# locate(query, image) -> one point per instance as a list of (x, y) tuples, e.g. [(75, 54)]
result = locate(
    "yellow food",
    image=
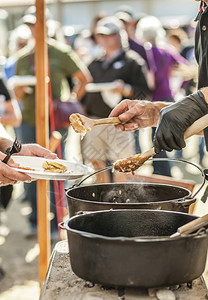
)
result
[(53, 167)]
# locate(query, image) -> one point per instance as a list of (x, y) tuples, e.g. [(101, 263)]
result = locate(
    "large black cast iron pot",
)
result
[(135, 195), (133, 248)]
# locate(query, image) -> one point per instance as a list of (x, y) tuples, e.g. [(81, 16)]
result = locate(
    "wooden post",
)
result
[(42, 130)]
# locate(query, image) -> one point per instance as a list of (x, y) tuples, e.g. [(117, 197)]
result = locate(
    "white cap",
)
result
[(109, 26)]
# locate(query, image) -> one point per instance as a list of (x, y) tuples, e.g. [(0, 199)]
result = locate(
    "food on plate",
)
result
[(25, 168), (78, 125), (53, 167)]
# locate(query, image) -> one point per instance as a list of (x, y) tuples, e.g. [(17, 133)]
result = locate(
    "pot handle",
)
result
[(204, 172), (80, 213), (61, 225), (205, 194), (88, 176)]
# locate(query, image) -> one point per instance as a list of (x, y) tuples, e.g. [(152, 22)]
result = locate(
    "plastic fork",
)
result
[(15, 148)]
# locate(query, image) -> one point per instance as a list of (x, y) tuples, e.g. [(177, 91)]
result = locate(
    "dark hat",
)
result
[(109, 26)]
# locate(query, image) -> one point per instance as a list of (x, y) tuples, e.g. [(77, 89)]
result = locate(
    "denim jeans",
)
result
[(160, 167), (137, 143)]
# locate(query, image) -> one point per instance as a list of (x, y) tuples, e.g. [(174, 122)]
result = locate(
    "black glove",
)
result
[(175, 119)]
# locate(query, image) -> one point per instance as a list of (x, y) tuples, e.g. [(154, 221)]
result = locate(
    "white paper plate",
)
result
[(99, 87), (21, 81), (75, 170)]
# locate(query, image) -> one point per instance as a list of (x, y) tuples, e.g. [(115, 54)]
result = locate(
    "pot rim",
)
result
[(184, 199), (145, 239)]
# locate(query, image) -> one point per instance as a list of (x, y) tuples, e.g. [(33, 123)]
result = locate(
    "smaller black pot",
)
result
[(133, 248), (135, 195)]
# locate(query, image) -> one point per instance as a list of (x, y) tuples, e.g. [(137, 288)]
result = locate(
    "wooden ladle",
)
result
[(82, 124), (132, 163)]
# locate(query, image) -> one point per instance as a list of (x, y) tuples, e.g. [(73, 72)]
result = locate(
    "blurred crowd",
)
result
[(123, 55)]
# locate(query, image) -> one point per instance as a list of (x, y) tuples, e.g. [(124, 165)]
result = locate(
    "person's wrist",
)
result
[(5, 145), (158, 107)]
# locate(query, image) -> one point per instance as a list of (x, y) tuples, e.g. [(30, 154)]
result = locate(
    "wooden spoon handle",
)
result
[(54, 140), (149, 153), (107, 121), (196, 127), (193, 225)]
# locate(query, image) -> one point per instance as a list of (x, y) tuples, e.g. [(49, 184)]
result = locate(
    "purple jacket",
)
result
[(160, 61)]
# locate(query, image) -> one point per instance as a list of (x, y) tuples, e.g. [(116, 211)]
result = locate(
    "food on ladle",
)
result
[(82, 124), (130, 164), (78, 125)]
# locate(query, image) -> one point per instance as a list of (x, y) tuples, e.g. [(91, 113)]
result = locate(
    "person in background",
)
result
[(183, 82), (63, 62), (85, 44), (124, 70), (18, 39), (150, 42), (177, 39), (126, 14)]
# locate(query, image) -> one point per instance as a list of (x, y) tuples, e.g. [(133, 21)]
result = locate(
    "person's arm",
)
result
[(140, 113), (5, 141), (173, 121), (81, 78)]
